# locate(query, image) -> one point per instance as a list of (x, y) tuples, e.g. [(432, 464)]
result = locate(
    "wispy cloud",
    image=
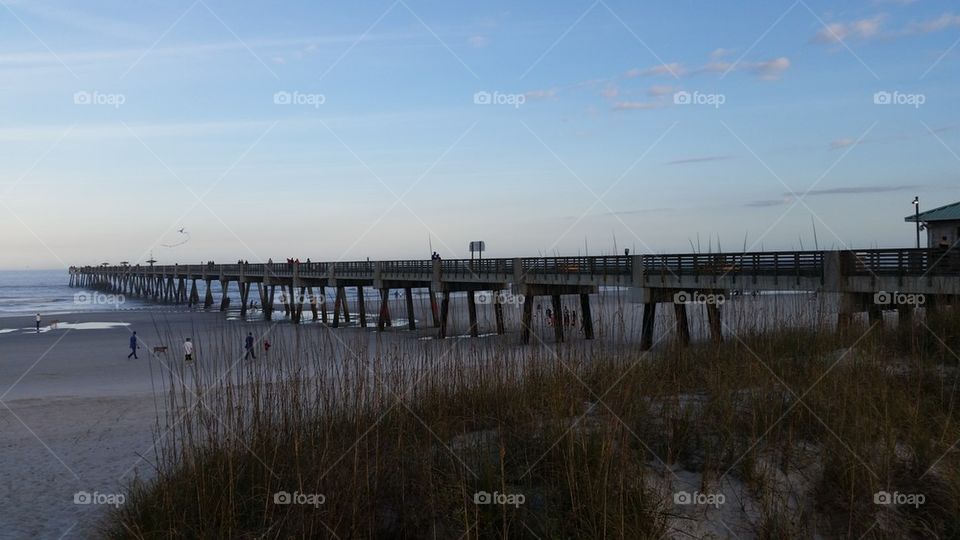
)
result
[(874, 28), (659, 91), (478, 42), (860, 29), (789, 198), (636, 106), (943, 22), (535, 95), (672, 69), (699, 159)]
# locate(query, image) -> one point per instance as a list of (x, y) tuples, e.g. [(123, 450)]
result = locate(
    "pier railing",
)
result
[(799, 264)]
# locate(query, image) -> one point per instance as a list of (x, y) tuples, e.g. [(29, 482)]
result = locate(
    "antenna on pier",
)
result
[(151, 260)]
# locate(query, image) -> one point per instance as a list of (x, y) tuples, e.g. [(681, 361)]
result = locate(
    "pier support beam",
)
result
[(433, 308), (265, 304), (472, 313), (646, 329), (361, 307), (498, 313), (682, 324), (444, 313), (208, 295), (224, 292), (905, 314), (323, 304), (557, 317), (526, 320), (716, 324), (383, 320), (313, 303), (411, 316), (194, 294), (586, 316), (244, 298)]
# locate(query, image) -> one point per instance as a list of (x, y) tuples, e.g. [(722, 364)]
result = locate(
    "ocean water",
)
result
[(48, 292)]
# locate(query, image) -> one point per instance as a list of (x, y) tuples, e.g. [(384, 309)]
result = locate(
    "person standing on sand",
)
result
[(248, 345), (133, 346), (38, 323), (266, 347), (188, 350)]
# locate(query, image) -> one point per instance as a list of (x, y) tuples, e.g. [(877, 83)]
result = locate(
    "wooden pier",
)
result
[(861, 279)]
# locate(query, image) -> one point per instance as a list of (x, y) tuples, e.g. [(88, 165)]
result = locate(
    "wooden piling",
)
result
[(682, 323), (586, 316), (716, 323), (472, 313), (361, 307), (498, 313), (526, 321), (444, 313), (411, 316), (557, 318), (647, 326)]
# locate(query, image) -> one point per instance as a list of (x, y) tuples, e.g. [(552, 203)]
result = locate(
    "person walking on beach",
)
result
[(266, 347), (188, 350), (133, 346), (38, 323), (248, 345)]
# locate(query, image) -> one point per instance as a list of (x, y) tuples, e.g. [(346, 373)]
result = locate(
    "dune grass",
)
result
[(799, 429)]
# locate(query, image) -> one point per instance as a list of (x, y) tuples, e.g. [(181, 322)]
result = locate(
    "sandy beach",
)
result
[(78, 417)]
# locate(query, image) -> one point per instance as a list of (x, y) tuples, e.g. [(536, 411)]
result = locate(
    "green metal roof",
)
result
[(950, 212)]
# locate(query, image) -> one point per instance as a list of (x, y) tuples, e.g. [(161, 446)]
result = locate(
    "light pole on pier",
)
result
[(916, 213)]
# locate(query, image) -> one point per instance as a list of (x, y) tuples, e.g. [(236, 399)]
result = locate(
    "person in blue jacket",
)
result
[(248, 345), (133, 346)]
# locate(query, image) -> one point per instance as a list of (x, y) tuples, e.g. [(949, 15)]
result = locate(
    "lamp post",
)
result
[(916, 213)]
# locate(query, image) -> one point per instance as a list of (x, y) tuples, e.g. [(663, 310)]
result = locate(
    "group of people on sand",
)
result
[(249, 347)]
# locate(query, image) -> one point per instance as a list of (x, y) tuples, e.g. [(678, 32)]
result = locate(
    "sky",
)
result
[(380, 129)]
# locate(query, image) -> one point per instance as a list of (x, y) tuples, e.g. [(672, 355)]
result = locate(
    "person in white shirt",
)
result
[(38, 323), (188, 350)]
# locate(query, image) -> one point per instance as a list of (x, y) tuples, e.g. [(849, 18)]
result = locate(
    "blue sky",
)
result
[(346, 130)]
